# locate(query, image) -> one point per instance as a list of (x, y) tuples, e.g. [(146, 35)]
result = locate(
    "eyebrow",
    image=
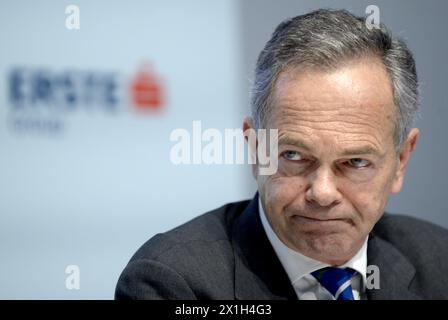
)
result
[(361, 150), (293, 142)]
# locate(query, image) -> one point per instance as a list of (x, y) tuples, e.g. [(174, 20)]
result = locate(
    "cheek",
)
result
[(279, 192), (368, 199)]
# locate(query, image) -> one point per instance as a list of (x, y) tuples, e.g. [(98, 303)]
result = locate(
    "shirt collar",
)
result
[(298, 265)]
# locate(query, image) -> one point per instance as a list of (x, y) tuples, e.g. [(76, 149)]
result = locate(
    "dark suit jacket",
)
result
[(225, 254)]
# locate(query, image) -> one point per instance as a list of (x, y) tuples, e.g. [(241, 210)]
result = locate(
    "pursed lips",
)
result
[(308, 219)]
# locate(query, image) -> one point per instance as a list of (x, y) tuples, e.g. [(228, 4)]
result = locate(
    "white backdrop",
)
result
[(91, 191)]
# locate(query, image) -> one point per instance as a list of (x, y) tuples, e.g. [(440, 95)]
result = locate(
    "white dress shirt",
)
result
[(299, 267)]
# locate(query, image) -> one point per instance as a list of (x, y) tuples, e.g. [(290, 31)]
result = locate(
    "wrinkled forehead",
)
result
[(354, 100)]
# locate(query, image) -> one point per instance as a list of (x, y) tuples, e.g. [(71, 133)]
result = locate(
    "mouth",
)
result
[(318, 221)]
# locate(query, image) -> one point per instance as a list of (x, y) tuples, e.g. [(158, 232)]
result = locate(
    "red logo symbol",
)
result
[(146, 90)]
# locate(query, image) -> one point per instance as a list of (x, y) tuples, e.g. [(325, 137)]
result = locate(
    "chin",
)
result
[(334, 248)]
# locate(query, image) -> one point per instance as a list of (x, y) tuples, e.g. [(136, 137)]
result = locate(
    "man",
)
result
[(343, 98)]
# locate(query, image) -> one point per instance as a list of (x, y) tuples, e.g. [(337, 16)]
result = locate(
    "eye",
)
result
[(358, 163), (292, 155)]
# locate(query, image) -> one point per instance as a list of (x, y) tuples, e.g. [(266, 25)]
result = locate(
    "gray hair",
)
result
[(323, 39)]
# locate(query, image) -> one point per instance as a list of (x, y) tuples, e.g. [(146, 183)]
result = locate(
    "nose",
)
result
[(322, 188)]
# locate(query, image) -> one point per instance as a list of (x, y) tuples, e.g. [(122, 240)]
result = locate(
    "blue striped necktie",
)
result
[(336, 281)]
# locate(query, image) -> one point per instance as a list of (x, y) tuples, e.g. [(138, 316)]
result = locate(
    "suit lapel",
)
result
[(258, 272), (396, 272)]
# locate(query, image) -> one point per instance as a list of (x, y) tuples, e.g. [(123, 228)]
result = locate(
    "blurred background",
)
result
[(87, 107)]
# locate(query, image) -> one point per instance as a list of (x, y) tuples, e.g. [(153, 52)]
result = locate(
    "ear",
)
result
[(404, 156), (248, 125)]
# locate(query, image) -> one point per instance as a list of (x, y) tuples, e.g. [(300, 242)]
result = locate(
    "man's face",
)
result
[(337, 163)]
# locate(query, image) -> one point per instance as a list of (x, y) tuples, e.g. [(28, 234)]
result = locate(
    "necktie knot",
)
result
[(336, 281)]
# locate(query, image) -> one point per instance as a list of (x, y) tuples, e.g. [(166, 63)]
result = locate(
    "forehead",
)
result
[(349, 105)]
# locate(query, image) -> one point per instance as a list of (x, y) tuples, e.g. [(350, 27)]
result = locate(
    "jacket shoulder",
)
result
[(194, 260), (212, 226), (423, 243), (404, 231)]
